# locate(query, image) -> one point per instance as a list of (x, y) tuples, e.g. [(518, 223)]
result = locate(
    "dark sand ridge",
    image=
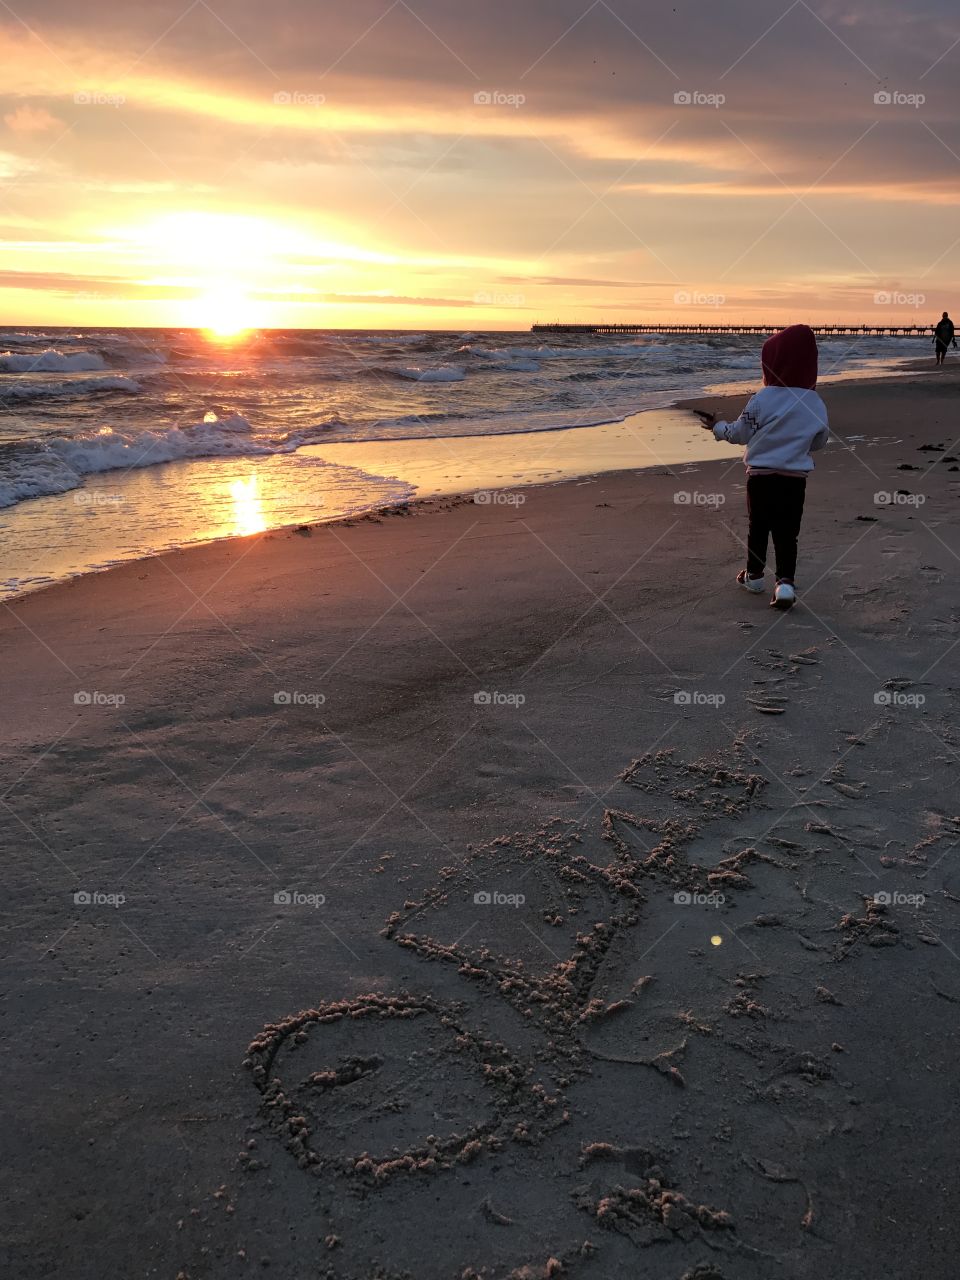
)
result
[(584, 1084)]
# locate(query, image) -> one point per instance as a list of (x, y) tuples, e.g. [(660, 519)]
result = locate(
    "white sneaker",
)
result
[(754, 585), (784, 596)]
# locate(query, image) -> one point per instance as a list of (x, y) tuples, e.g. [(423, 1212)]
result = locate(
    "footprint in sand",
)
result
[(770, 704), (767, 698)]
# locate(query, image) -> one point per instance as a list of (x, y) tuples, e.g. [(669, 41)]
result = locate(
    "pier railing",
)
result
[(821, 330)]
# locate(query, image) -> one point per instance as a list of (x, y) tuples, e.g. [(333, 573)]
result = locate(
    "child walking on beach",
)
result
[(781, 425)]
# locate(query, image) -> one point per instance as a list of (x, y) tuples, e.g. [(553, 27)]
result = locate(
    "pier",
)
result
[(821, 330)]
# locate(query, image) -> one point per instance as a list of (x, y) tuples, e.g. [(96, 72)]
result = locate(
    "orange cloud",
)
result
[(27, 119)]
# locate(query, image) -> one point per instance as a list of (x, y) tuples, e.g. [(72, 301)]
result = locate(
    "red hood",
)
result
[(789, 358)]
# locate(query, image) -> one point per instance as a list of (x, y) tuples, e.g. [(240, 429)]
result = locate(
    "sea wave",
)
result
[(445, 373), (50, 361), (619, 351), (519, 366), (66, 389), (58, 464), (385, 339)]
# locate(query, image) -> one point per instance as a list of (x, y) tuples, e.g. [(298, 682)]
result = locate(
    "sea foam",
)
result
[(51, 361), (60, 463), (445, 373)]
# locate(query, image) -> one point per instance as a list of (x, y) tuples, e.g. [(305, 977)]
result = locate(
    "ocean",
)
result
[(116, 444)]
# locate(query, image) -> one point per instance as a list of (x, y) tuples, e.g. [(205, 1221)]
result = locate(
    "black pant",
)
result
[(775, 506)]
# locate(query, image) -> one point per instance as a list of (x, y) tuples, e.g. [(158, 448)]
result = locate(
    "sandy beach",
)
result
[(476, 891)]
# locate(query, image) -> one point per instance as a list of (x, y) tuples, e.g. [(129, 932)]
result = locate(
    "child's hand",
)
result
[(707, 420)]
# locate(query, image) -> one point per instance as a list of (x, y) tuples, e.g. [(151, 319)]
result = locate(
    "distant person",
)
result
[(781, 425), (943, 336)]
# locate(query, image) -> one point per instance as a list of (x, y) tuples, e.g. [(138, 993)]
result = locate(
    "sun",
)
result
[(224, 311), (225, 274)]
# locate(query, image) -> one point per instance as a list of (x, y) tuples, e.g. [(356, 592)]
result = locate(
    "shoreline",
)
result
[(639, 424)]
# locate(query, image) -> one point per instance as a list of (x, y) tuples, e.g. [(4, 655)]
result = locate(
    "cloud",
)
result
[(56, 281), (379, 299), (123, 288), (600, 181), (599, 84), (27, 119), (585, 282)]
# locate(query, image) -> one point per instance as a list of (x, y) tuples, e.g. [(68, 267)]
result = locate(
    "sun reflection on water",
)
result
[(247, 506)]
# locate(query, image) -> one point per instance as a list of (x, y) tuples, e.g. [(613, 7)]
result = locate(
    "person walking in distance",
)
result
[(943, 335)]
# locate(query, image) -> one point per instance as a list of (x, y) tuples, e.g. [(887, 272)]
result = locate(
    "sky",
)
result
[(432, 165)]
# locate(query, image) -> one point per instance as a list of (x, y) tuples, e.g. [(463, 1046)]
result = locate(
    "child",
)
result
[(780, 426)]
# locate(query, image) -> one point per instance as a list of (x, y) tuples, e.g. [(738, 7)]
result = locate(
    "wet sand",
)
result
[(492, 890), (122, 516)]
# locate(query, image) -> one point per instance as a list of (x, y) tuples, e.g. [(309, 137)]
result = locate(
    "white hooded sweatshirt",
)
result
[(780, 426)]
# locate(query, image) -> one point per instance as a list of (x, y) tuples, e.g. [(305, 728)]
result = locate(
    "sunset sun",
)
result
[(224, 311)]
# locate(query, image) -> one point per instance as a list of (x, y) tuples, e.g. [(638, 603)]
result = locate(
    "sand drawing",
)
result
[(398, 1090)]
